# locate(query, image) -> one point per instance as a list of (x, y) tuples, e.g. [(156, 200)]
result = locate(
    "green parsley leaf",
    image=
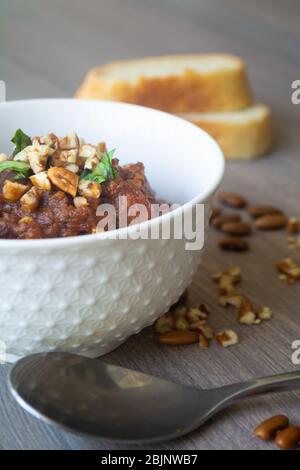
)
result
[(104, 170), (21, 141), (21, 168)]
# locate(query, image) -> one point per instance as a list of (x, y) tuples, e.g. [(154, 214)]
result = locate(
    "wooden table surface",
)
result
[(45, 49)]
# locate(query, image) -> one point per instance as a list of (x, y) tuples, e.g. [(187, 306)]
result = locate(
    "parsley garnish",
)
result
[(21, 141), (104, 170), (21, 168)]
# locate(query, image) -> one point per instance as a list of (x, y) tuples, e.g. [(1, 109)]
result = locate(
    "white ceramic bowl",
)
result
[(89, 293)]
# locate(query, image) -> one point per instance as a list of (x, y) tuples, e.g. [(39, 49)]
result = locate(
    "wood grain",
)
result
[(45, 50)]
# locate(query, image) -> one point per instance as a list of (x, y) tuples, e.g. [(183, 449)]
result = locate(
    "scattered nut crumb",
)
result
[(231, 276), (226, 285), (294, 243), (197, 325), (227, 280), (164, 324), (196, 314), (180, 311), (264, 313), (181, 324), (234, 300), (293, 226), (181, 319), (246, 313), (187, 325), (203, 342), (207, 331), (230, 296), (227, 338), (286, 279), (290, 269)]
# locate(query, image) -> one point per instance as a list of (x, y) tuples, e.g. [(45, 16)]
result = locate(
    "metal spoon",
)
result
[(88, 396)]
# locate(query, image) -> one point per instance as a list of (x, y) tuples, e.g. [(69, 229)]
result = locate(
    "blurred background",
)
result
[(47, 46), (54, 42)]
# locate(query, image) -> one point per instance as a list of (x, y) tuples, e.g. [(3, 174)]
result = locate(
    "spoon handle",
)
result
[(273, 384)]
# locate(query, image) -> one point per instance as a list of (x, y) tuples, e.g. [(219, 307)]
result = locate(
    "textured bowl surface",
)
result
[(88, 294)]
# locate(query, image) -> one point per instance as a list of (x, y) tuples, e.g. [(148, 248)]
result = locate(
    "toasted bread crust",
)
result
[(217, 90), (239, 140)]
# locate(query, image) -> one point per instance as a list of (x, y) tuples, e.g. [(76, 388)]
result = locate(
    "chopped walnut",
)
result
[(21, 156), (30, 200), (41, 180), (183, 320), (80, 201), (62, 158), (227, 280), (37, 162), (87, 151), (13, 191), (202, 327), (50, 139), (89, 189), (64, 179), (233, 271), (36, 155), (69, 156), (231, 296), (70, 141), (72, 167), (91, 163), (195, 314)]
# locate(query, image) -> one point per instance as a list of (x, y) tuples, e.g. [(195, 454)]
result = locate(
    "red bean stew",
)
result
[(51, 186)]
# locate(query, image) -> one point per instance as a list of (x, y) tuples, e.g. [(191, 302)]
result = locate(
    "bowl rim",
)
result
[(113, 234)]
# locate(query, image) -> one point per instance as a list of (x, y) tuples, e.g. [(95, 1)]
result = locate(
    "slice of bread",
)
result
[(179, 83), (241, 134)]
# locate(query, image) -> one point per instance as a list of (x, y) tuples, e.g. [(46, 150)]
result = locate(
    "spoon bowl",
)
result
[(114, 403)]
